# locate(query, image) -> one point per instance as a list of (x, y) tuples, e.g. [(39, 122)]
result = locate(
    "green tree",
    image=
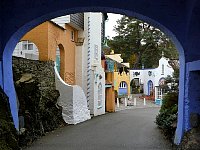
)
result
[(141, 40)]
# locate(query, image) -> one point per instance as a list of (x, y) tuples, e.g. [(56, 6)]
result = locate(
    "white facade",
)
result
[(93, 73), (26, 49), (155, 76)]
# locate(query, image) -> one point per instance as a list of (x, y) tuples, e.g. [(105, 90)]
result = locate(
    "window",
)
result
[(30, 46), (159, 93), (99, 95), (72, 35), (122, 84), (96, 52), (162, 69), (26, 45), (162, 81)]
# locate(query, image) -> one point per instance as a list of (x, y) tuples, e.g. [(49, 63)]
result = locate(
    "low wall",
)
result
[(73, 101)]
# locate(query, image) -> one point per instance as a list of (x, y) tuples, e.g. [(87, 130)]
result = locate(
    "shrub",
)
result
[(169, 100), (167, 117)]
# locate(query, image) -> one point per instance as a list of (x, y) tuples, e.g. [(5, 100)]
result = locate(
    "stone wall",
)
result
[(37, 98)]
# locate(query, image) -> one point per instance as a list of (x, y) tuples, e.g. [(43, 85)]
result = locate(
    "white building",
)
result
[(93, 73), (151, 79), (26, 49)]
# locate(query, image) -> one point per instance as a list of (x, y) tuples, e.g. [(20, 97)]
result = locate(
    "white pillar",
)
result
[(117, 102), (125, 101), (135, 102), (130, 96), (144, 101), (156, 88)]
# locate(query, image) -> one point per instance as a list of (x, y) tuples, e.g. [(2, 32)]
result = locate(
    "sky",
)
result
[(110, 23)]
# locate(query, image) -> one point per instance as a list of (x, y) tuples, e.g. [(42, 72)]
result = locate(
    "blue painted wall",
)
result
[(178, 19), (193, 97), (192, 92)]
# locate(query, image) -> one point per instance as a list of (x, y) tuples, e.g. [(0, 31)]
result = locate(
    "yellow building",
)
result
[(121, 74)]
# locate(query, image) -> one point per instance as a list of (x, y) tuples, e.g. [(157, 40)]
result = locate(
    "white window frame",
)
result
[(27, 44), (159, 93)]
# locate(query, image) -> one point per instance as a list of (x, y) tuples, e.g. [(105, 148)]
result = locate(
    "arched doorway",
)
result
[(136, 86), (60, 60), (150, 87)]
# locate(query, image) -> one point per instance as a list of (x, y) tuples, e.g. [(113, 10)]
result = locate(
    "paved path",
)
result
[(132, 129)]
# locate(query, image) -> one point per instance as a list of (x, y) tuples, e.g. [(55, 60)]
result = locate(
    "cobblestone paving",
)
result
[(139, 103)]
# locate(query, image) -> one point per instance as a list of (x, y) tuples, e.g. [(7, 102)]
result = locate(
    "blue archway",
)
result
[(178, 19)]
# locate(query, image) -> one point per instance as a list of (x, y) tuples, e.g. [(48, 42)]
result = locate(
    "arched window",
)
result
[(161, 81), (99, 95), (60, 61), (123, 88), (123, 84), (150, 87)]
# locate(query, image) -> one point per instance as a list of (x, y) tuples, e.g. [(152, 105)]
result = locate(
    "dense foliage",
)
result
[(139, 42), (167, 117)]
